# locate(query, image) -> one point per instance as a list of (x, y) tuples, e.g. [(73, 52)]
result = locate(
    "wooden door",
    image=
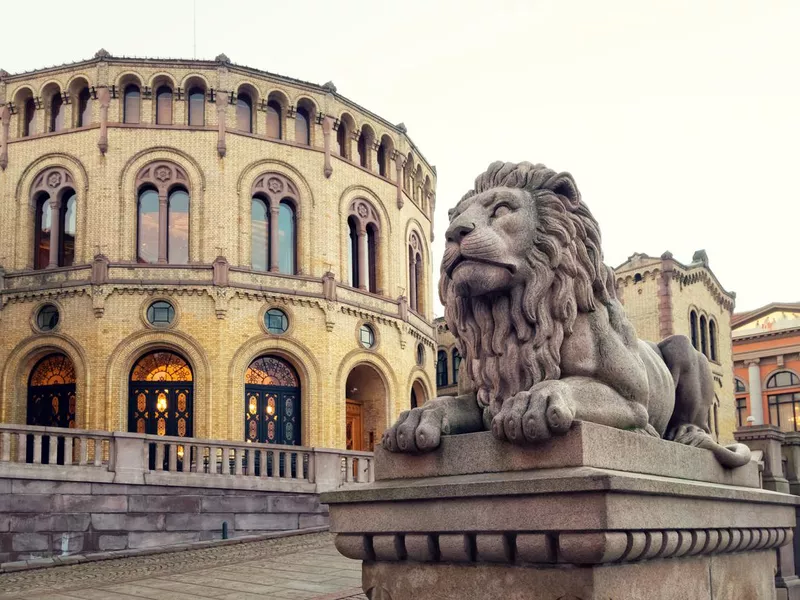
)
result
[(355, 426)]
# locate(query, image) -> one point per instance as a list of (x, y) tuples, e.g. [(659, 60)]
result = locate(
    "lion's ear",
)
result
[(564, 185)]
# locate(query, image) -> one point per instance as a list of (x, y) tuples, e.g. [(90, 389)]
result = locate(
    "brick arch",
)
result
[(304, 363), (131, 349), (129, 184), (18, 367)]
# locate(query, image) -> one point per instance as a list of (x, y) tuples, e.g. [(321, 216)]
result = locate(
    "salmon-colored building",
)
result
[(766, 355)]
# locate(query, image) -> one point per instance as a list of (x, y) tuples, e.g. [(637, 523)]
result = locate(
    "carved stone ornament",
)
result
[(102, 53), (528, 297), (54, 180), (363, 211), (275, 185), (162, 174)]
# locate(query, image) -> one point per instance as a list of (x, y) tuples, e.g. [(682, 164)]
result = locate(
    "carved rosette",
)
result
[(364, 213), (52, 180), (163, 175)]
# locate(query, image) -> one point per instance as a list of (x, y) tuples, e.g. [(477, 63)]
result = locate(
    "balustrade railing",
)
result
[(179, 461)]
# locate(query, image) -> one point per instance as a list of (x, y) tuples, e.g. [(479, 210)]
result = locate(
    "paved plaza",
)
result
[(304, 567)]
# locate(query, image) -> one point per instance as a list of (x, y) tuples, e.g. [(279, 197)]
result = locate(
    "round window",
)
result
[(47, 318), (160, 313), (420, 354), (276, 321), (367, 336)]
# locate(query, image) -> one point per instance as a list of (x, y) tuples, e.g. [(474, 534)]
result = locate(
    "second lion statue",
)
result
[(544, 340)]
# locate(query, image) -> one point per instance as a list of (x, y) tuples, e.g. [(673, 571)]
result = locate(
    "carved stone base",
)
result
[(598, 513)]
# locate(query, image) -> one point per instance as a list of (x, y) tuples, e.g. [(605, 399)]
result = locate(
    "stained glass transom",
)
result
[(161, 366), (55, 369), (268, 370)]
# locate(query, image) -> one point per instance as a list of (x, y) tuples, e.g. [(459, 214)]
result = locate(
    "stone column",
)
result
[(5, 117), (327, 127), (104, 98), (55, 231), (363, 252), (412, 283), (222, 106), (767, 439), (398, 162), (162, 228), (756, 400), (274, 211)]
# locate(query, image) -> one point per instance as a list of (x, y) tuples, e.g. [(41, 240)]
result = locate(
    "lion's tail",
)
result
[(731, 456)]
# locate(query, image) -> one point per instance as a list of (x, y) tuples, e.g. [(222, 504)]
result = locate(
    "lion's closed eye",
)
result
[(501, 210)]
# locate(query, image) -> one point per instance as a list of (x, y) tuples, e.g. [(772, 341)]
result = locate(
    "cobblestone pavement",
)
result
[(304, 567)]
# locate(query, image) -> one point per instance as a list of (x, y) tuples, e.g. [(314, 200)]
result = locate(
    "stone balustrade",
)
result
[(79, 455)]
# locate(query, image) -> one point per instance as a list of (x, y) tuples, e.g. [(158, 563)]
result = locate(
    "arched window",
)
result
[(441, 368), (259, 234), (43, 226), (160, 396), (244, 113), (28, 124), (782, 379), (693, 327), (197, 107), (302, 127), (272, 406), (178, 228), (383, 159), (274, 120), (739, 386), (67, 230), (363, 149), (372, 257), (712, 339), (456, 364), (286, 239), (703, 335), (415, 271), (164, 105), (352, 254), (147, 242), (342, 138), (131, 102), (84, 107), (56, 112)]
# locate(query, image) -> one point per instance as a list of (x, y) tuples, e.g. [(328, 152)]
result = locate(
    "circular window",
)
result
[(276, 321), (367, 336), (160, 313), (47, 318), (420, 354)]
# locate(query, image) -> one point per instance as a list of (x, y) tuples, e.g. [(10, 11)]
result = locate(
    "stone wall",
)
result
[(42, 518)]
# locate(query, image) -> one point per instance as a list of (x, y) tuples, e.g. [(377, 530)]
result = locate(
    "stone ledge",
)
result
[(39, 563), (584, 445)]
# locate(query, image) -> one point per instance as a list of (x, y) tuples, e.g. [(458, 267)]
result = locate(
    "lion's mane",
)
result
[(512, 341)]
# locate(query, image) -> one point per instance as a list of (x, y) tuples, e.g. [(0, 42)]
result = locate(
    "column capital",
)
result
[(753, 362)]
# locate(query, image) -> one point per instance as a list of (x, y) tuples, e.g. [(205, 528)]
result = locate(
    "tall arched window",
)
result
[(147, 243), (342, 139), (703, 335), (415, 271), (131, 104), (441, 368), (693, 327), (197, 107), (372, 258), (286, 239), (274, 120), (244, 113), (456, 364), (43, 227), (259, 234), (352, 254), (29, 124), (784, 404), (56, 112), (84, 107), (163, 214), (712, 339), (302, 126), (383, 159), (363, 149), (164, 105), (178, 228), (67, 230), (55, 224)]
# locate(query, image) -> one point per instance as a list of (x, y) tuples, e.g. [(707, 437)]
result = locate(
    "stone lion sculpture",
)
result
[(544, 340)]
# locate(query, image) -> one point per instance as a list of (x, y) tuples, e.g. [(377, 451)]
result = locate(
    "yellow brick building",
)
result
[(663, 297), (200, 248)]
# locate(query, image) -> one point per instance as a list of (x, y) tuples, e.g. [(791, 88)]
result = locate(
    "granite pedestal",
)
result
[(599, 513)]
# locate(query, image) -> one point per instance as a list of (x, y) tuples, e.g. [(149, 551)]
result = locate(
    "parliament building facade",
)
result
[(197, 248)]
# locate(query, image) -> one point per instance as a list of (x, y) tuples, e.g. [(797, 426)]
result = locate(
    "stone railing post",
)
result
[(327, 470), (128, 461), (791, 452), (768, 439), (789, 556)]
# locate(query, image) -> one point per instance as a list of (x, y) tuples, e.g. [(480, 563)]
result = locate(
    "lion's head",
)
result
[(522, 258)]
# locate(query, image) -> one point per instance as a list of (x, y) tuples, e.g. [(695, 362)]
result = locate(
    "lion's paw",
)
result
[(535, 415), (417, 430)]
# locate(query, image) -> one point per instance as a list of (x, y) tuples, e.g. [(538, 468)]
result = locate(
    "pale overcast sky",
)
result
[(679, 119)]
